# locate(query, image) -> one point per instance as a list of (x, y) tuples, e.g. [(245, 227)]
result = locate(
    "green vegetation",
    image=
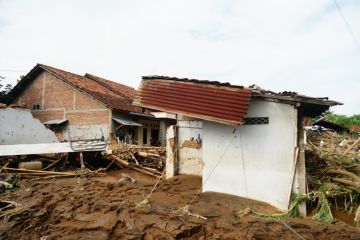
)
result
[(343, 120), (4, 93)]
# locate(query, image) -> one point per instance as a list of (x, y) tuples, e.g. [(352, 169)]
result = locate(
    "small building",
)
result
[(243, 141), (85, 107)]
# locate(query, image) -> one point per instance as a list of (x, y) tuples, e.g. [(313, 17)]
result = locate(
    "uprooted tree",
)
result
[(333, 173)]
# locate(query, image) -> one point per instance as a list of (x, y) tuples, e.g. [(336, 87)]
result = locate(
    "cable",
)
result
[(243, 163), (293, 230), (212, 170), (10, 70), (347, 25)]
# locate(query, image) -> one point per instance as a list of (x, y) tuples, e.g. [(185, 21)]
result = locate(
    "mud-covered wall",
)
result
[(253, 161), (189, 159)]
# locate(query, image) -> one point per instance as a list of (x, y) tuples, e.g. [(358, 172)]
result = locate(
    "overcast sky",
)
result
[(295, 45)]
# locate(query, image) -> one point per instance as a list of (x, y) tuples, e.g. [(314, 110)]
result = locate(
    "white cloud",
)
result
[(295, 45)]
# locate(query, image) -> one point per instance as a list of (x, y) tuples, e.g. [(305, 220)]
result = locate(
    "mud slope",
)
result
[(102, 208)]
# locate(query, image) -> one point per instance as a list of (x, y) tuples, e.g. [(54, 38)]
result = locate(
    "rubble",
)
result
[(148, 160), (333, 170)]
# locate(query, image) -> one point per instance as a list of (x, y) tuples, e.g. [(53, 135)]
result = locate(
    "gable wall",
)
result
[(86, 116)]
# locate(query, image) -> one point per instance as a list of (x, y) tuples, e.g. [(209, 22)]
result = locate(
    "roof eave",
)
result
[(202, 117), (298, 99)]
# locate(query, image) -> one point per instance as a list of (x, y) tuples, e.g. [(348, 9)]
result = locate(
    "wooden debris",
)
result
[(347, 182), (333, 171), (36, 172), (133, 167), (10, 209), (351, 147), (351, 175), (148, 160), (51, 165), (186, 211), (145, 154), (125, 177)]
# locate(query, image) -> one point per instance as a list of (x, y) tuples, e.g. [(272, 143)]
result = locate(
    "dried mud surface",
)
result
[(102, 208)]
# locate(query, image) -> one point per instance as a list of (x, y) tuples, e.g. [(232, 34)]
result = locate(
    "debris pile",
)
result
[(148, 160), (38, 167), (333, 173)]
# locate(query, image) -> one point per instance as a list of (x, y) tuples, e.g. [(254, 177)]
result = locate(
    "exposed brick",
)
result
[(58, 94), (33, 93), (83, 101), (45, 116), (88, 118)]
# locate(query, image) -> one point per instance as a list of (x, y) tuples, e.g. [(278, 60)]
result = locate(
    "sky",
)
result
[(281, 45)]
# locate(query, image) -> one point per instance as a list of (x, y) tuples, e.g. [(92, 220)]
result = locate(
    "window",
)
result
[(256, 120), (36, 107)]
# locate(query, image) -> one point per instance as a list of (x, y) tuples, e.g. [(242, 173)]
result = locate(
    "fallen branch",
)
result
[(125, 176), (347, 182), (186, 211), (40, 172), (51, 165), (146, 154), (16, 209), (135, 160), (344, 172), (4, 167), (352, 145), (136, 168)]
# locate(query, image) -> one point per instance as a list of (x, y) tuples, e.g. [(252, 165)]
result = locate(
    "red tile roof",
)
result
[(213, 101), (119, 88), (114, 95)]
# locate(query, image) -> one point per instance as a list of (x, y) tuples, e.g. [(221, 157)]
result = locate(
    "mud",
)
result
[(104, 208)]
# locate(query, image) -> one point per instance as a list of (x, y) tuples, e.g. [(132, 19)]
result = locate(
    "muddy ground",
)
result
[(103, 208)]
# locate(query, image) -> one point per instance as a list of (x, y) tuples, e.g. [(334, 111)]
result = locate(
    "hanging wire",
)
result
[(347, 25), (243, 163), (212, 170)]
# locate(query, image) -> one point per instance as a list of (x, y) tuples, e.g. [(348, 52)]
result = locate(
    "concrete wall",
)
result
[(190, 151), (253, 161), (87, 117), (17, 126)]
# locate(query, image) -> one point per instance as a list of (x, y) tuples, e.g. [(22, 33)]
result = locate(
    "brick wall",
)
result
[(33, 93), (59, 100), (88, 118), (47, 115)]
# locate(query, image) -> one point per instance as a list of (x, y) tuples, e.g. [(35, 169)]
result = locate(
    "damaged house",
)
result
[(242, 141), (85, 107)]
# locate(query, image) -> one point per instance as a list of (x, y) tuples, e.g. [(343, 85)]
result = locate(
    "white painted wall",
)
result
[(17, 126), (254, 161)]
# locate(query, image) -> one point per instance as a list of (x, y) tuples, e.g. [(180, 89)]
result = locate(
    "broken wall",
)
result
[(190, 151), (17, 126)]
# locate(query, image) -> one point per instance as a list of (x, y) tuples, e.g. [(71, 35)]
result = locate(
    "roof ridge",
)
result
[(94, 78), (92, 75), (58, 69)]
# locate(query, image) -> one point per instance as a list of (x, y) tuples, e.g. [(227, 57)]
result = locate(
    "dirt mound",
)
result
[(104, 208)]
